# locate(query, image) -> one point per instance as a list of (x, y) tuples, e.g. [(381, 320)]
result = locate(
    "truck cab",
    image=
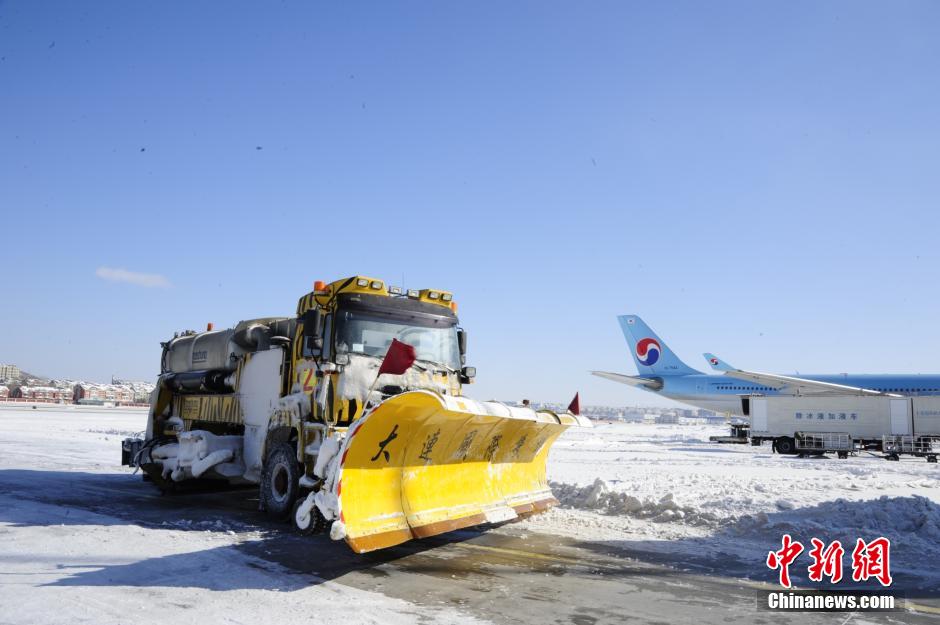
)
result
[(344, 330)]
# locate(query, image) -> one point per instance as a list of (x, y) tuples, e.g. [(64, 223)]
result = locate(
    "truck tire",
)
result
[(315, 523), (785, 445), (279, 481)]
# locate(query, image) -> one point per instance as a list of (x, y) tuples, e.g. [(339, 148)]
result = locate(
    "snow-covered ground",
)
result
[(62, 564), (653, 488), (666, 488)]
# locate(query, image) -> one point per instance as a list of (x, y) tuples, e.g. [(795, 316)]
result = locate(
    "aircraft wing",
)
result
[(802, 385), (630, 380)]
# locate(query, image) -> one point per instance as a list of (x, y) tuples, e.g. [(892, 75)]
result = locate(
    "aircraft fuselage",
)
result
[(723, 394)]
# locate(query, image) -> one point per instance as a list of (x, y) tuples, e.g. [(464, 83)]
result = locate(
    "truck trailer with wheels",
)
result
[(841, 423), (349, 416)]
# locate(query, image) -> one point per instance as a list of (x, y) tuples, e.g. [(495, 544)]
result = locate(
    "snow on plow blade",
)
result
[(422, 464)]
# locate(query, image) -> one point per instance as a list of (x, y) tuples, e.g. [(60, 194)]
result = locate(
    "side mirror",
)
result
[(313, 329), (462, 345), (467, 374)]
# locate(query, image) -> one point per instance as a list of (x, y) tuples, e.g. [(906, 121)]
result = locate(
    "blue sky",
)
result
[(760, 180)]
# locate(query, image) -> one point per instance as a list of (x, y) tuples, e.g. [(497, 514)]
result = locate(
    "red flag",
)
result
[(398, 358), (575, 406)]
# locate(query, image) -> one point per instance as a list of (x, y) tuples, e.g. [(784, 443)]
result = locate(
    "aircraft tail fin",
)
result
[(650, 353), (717, 363)]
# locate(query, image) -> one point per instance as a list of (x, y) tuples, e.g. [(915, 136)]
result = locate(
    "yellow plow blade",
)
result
[(422, 464)]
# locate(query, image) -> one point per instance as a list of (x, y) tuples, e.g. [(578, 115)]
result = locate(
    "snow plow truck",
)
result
[(341, 434)]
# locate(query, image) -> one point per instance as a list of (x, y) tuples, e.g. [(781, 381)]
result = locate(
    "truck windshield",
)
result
[(362, 333)]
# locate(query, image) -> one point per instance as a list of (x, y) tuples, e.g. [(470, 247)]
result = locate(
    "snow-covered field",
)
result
[(666, 488), (653, 488), (67, 565)]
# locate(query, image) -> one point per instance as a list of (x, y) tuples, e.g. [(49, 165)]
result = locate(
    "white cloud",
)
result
[(149, 280)]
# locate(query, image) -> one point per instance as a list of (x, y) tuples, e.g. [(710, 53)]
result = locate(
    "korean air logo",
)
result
[(647, 351), (714, 361)]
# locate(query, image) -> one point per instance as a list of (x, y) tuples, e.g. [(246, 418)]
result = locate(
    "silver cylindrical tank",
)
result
[(219, 350), (205, 350)]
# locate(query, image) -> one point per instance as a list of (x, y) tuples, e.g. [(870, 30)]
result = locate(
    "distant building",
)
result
[(85, 393), (9, 372), (133, 393), (667, 418), (4, 392), (633, 415), (42, 393)]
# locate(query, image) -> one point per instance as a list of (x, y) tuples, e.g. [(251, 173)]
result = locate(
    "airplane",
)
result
[(662, 372)]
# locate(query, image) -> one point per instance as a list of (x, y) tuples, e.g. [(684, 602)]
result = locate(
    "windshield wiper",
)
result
[(436, 365), (425, 365)]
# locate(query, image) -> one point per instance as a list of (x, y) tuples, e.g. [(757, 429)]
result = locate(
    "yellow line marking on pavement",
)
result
[(520, 553)]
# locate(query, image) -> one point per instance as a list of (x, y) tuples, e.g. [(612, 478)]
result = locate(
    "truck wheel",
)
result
[(314, 523), (279, 481), (786, 445)]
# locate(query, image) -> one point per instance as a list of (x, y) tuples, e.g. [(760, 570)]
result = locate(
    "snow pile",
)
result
[(599, 497), (912, 524), (901, 519), (667, 489), (116, 432), (897, 518)]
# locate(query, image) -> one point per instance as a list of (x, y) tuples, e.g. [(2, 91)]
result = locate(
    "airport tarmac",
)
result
[(499, 575), (73, 526)]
